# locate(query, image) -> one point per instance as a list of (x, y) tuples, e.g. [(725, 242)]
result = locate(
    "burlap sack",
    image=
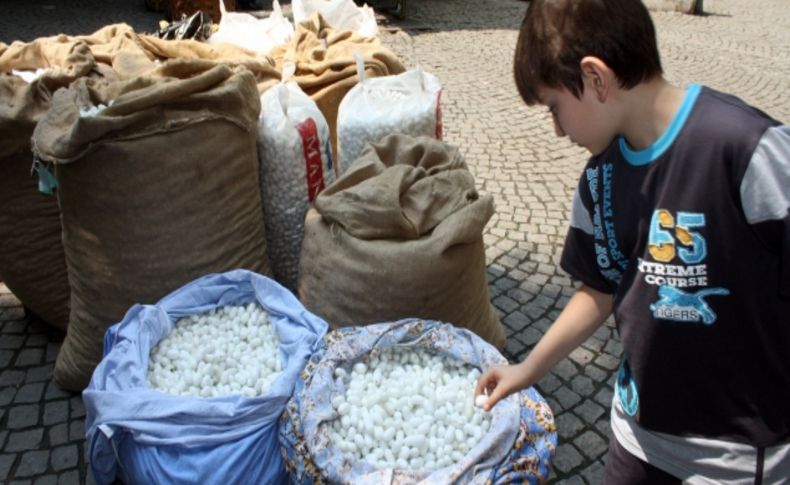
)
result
[(155, 191), (32, 263), (400, 235), (325, 64), (263, 67)]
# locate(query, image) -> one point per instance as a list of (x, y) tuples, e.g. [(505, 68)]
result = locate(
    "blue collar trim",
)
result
[(647, 155)]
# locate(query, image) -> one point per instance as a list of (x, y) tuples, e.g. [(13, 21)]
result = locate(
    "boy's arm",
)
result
[(584, 313)]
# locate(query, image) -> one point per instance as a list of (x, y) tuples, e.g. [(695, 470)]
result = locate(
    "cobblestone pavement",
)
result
[(739, 47)]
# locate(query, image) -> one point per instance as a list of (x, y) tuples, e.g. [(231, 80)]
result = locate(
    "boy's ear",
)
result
[(597, 76)]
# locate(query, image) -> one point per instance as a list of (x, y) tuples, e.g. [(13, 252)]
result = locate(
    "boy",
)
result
[(680, 227)]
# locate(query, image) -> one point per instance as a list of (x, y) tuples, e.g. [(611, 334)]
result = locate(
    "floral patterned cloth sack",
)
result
[(517, 448)]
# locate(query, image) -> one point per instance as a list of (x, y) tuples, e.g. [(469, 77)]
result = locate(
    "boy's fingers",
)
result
[(494, 397)]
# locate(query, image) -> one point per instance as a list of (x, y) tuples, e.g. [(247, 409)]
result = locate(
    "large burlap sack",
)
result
[(263, 67), (32, 263), (517, 448), (155, 190), (325, 64), (400, 234)]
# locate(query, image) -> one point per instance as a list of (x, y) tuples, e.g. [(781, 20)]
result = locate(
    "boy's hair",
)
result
[(556, 34)]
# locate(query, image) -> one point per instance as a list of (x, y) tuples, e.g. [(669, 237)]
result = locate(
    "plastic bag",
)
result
[(339, 14), (145, 436), (517, 448), (407, 103), (296, 164), (250, 32)]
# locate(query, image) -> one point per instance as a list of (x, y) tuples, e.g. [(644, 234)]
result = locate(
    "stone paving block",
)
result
[(596, 373), (583, 385), (59, 434), (7, 395), (55, 412), (574, 480), (604, 427), (516, 321), (17, 326), (567, 458), (65, 457), (23, 416), (76, 430), (12, 313), (590, 411), (591, 444), (594, 344), (6, 463), (613, 347), (513, 350), (593, 474), (581, 356), (32, 463), (77, 407), (24, 440), (565, 370), (71, 477), (28, 357), (568, 426), (29, 393), (37, 340), (529, 337), (607, 361), (41, 373), (506, 304), (566, 397), (548, 384), (54, 392), (3, 434), (12, 342), (5, 357), (604, 396), (46, 480), (542, 325), (53, 348)]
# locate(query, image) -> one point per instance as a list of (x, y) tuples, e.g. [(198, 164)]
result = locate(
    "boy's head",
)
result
[(556, 35)]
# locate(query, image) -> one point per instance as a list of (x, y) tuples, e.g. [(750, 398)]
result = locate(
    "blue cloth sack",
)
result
[(517, 448), (141, 435)]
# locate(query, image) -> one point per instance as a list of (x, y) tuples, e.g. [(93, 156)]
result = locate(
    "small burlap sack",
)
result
[(325, 66), (156, 190), (399, 235), (32, 263)]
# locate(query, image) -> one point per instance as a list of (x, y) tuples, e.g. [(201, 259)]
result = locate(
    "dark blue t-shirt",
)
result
[(692, 238)]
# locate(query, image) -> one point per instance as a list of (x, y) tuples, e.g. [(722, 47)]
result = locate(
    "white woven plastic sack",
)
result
[(250, 32), (339, 14), (406, 103), (296, 164)]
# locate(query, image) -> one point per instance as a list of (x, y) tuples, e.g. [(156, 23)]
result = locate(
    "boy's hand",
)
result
[(499, 382)]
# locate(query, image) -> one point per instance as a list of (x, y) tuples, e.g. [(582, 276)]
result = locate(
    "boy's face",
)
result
[(583, 120)]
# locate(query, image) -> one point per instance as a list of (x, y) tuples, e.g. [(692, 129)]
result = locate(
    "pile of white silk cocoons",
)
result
[(230, 350), (408, 409)]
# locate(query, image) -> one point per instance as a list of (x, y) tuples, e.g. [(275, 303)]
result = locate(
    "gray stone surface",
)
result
[(738, 47)]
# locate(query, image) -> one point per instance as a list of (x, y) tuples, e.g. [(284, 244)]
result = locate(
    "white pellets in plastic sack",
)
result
[(407, 103), (229, 350), (408, 409), (296, 164)]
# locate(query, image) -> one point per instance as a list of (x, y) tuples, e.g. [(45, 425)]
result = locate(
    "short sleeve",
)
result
[(578, 255), (765, 197)]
